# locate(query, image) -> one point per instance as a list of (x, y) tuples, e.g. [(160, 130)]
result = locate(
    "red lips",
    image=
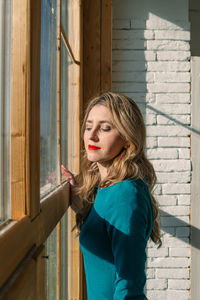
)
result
[(92, 147)]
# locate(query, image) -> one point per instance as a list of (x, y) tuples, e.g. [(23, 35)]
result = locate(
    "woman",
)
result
[(116, 211)]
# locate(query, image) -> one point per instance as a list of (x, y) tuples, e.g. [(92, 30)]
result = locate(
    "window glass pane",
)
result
[(65, 62), (5, 79), (51, 265), (48, 107), (65, 14), (64, 282), (52, 262)]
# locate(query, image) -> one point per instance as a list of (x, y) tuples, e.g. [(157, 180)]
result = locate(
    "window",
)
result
[(45, 63)]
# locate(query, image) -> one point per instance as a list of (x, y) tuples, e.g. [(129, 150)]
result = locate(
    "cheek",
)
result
[(115, 145), (85, 138)]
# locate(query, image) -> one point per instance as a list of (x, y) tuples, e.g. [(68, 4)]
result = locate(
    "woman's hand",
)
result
[(76, 203), (69, 176)]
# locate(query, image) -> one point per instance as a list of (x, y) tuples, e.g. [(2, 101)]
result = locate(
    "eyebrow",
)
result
[(101, 122)]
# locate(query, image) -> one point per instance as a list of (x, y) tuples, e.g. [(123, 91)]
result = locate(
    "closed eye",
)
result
[(106, 129)]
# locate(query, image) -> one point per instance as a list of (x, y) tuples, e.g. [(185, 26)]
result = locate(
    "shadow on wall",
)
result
[(173, 221)]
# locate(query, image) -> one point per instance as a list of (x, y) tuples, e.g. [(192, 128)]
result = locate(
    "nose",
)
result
[(93, 136)]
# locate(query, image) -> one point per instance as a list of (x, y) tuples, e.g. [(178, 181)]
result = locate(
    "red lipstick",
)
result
[(92, 147)]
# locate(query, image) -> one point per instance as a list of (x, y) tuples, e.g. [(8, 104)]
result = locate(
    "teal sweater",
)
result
[(113, 239)]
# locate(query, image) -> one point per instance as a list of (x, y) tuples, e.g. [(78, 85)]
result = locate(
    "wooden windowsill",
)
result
[(27, 232)]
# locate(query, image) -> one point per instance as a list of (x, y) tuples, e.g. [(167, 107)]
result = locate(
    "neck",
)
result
[(103, 169)]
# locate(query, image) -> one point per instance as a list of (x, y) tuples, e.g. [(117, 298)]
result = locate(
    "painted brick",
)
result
[(170, 108), (174, 142), (180, 252), (156, 284), (128, 86), (152, 142), (174, 273), (167, 231), (173, 55), (172, 77), (120, 23), (132, 34), (138, 24), (168, 87), (178, 284), (171, 130), (133, 55), (176, 188), (168, 262), (161, 252), (162, 153), (129, 66), (156, 22), (172, 35), (173, 120), (184, 199), (183, 231), (141, 97), (174, 242), (173, 177), (167, 45), (173, 98), (163, 66), (165, 200), (171, 165), (168, 295), (131, 77), (150, 273), (157, 189), (184, 153), (171, 221), (150, 119), (175, 211), (129, 44)]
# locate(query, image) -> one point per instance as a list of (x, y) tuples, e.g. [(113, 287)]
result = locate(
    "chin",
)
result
[(92, 158)]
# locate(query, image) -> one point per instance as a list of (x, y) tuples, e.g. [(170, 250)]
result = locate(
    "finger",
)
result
[(65, 171)]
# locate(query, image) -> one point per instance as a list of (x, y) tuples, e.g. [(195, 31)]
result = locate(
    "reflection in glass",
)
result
[(5, 80), (48, 85)]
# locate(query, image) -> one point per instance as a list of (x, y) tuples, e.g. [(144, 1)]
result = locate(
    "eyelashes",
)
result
[(103, 129)]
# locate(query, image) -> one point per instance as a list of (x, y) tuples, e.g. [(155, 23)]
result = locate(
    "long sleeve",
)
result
[(128, 222)]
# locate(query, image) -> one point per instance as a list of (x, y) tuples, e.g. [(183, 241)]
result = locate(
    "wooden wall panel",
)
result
[(97, 48), (106, 46), (25, 108), (91, 49), (20, 91)]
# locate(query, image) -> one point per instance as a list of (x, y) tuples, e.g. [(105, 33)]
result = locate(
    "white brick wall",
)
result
[(151, 65)]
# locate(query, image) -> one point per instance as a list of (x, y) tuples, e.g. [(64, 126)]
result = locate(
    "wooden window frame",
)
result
[(33, 220)]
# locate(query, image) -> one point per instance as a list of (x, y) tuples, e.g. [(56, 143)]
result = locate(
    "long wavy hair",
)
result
[(130, 163)]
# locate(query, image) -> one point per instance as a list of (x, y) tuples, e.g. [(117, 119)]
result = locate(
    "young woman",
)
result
[(116, 211)]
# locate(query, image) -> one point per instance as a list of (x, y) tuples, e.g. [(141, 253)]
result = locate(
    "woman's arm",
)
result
[(127, 227)]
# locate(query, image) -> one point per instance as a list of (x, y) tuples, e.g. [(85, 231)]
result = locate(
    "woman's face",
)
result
[(101, 139)]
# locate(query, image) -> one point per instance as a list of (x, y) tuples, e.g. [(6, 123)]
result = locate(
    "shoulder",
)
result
[(127, 191), (127, 205)]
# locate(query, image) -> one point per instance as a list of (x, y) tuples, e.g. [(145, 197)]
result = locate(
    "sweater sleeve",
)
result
[(127, 222)]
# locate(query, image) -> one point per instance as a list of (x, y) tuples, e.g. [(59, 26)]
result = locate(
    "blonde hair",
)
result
[(130, 163)]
